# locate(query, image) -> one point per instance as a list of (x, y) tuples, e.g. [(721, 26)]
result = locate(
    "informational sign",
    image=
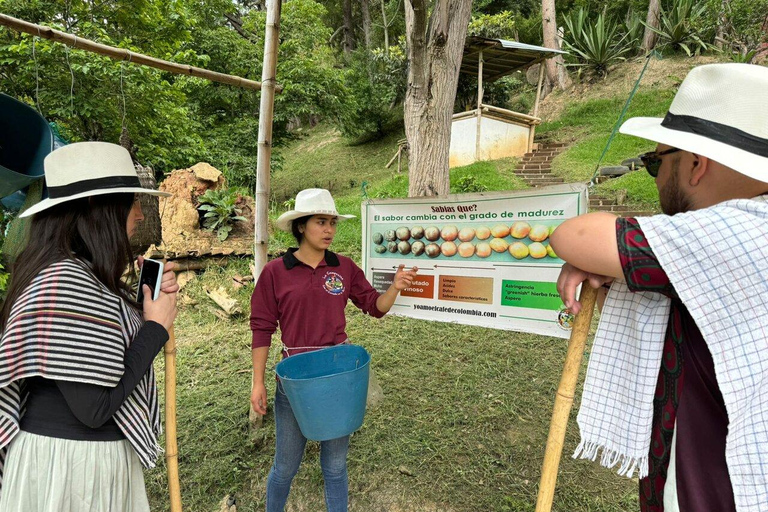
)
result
[(483, 259)]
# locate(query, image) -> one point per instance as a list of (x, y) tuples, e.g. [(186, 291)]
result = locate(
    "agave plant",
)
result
[(633, 25), (597, 45), (686, 26), (221, 211)]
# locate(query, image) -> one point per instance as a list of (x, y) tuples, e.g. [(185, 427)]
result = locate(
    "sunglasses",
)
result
[(652, 160)]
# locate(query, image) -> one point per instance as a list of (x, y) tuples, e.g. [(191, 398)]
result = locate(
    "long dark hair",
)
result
[(92, 229)]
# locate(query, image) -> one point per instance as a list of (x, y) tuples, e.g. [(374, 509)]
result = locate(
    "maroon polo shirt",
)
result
[(308, 303)]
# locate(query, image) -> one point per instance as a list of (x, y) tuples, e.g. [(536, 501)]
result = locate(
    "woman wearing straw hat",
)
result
[(306, 292), (78, 403)]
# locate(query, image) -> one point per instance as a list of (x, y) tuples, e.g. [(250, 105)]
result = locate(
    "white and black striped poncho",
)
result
[(68, 326)]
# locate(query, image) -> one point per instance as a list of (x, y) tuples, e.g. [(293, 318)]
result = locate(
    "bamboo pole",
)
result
[(564, 399), (532, 131), (171, 446), (266, 112), (122, 54)]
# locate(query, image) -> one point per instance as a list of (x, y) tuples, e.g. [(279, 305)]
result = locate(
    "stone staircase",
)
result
[(606, 204), (536, 170)]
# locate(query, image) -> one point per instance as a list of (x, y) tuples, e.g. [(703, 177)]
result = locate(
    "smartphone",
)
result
[(152, 276)]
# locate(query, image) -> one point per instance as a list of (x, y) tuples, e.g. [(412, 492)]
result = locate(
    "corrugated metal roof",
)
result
[(501, 57)]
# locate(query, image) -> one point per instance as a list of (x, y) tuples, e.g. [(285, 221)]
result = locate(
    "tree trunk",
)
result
[(348, 43), (385, 24), (365, 12), (652, 20), (556, 75), (435, 49)]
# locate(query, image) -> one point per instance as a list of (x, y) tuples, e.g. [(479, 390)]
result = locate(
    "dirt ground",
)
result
[(621, 80)]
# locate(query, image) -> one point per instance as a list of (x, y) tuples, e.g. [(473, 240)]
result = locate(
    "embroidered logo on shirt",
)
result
[(334, 283)]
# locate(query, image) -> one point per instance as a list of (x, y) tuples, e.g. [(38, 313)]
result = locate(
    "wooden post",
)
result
[(122, 54), (564, 399), (479, 104), (171, 446), (266, 112), (532, 131)]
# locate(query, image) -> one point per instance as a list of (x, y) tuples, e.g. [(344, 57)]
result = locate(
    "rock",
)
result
[(614, 170), (206, 172)]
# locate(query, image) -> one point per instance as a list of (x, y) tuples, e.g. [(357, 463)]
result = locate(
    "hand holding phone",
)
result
[(152, 276)]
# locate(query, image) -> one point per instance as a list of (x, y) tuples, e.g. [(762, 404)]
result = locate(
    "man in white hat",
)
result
[(676, 386)]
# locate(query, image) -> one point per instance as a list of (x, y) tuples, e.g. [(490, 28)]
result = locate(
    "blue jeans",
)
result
[(289, 450)]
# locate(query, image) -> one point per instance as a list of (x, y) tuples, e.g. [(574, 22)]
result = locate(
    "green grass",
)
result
[(639, 185), (589, 125), (462, 428), (324, 159)]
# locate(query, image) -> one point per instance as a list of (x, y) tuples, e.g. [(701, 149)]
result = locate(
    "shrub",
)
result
[(597, 45), (687, 26), (742, 29), (494, 26), (468, 183), (221, 211)]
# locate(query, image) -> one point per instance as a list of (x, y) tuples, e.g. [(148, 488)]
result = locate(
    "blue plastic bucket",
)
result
[(327, 390)]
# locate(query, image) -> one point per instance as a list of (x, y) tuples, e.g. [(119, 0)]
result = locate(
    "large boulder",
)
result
[(182, 232)]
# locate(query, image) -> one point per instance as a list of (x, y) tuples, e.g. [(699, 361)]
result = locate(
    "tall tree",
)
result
[(348, 41), (385, 25), (651, 21), (435, 47), (556, 75), (365, 13)]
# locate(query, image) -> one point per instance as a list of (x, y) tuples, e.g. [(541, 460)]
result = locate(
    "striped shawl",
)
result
[(68, 326)]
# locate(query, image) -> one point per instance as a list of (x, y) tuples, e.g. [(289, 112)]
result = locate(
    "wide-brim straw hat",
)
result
[(86, 169), (720, 112), (312, 201)]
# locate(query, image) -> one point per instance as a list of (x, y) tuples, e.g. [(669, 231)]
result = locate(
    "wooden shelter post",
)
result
[(536, 106), (479, 104)]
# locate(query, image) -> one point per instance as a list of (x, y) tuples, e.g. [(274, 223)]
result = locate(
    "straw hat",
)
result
[(312, 201), (87, 169), (719, 112)]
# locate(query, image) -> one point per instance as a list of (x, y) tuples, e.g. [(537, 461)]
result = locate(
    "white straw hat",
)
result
[(87, 169), (312, 201), (720, 112)]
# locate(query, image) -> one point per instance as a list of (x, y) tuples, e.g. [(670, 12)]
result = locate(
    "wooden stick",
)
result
[(393, 159), (122, 54), (564, 399), (171, 446), (266, 112)]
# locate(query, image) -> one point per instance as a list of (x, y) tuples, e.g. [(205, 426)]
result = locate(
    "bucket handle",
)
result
[(285, 349)]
